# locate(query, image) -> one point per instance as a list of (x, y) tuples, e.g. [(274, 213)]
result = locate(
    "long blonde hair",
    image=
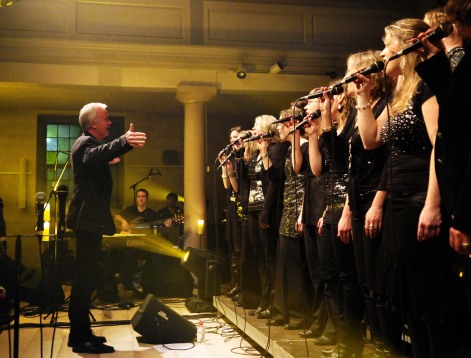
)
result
[(435, 17), (264, 122), (360, 60), (399, 33)]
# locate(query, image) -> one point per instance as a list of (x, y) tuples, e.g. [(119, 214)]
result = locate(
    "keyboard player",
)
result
[(139, 213), (134, 260)]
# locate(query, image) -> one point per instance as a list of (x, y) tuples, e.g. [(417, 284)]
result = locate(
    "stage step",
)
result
[(276, 340)]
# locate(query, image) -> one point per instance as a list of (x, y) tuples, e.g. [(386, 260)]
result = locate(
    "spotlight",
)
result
[(6, 2), (241, 73), (276, 68)]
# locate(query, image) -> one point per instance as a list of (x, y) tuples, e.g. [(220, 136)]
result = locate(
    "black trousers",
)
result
[(366, 253), (88, 255), (289, 302), (337, 268)]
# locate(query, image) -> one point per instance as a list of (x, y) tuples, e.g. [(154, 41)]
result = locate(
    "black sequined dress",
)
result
[(415, 276), (290, 275)]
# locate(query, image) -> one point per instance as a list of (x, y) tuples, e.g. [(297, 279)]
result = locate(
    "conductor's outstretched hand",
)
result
[(135, 139)]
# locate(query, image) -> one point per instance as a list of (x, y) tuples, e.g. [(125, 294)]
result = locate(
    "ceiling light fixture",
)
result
[(276, 68), (241, 73), (6, 2)]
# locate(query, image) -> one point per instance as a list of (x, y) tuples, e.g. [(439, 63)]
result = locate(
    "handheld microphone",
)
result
[(334, 90), (337, 88), (40, 203), (231, 154), (244, 135), (443, 30), (316, 114), (376, 67), (295, 117), (226, 148), (266, 135), (154, 171), (62, 192)]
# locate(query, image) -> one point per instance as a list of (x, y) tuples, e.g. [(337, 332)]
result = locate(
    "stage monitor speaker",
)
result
[(159, 324)]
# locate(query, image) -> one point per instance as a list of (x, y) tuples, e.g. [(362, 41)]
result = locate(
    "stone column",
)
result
[(194, 98)]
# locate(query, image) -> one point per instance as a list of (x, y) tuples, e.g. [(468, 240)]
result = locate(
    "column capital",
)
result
[(196, 92)]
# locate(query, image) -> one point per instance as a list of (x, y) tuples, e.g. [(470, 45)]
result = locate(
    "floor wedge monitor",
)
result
[(159, 324)]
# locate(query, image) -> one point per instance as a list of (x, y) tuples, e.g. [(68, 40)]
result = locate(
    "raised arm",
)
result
[(296, 154), (315, 156), (368, 126)]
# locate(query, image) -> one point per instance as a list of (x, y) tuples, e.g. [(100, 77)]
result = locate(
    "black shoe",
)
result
[(328, 352), (325, 341), (291, 327), (233, 292), (308, 333), (342, 351), (92, 347), (89, 338), (255, 312), (274, 322), (265, 314)]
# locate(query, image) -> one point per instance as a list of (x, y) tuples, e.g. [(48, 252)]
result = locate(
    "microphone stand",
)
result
[(49, 263), (151, 173), (16, 304), (55, 307)]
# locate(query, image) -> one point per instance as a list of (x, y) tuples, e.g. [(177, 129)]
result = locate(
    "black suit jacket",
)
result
[(453, 143), (89, 209)]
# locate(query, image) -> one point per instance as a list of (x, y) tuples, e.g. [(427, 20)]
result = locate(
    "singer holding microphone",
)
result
[(314, 203), (268, 218), (273, 155), (452, 148), (289, 306), (234, 215), (254, 234), (415, 270), (328, 156), (450, 80), (365, 196), (90, 216)]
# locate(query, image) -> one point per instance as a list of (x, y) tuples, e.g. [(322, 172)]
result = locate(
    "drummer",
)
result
[(138, 213)]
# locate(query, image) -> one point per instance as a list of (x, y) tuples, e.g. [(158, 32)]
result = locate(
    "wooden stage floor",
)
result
[(222, 339), (230, 332), (277, 341)]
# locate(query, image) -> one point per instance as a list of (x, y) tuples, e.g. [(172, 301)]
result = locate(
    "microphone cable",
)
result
[(390, 200)]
